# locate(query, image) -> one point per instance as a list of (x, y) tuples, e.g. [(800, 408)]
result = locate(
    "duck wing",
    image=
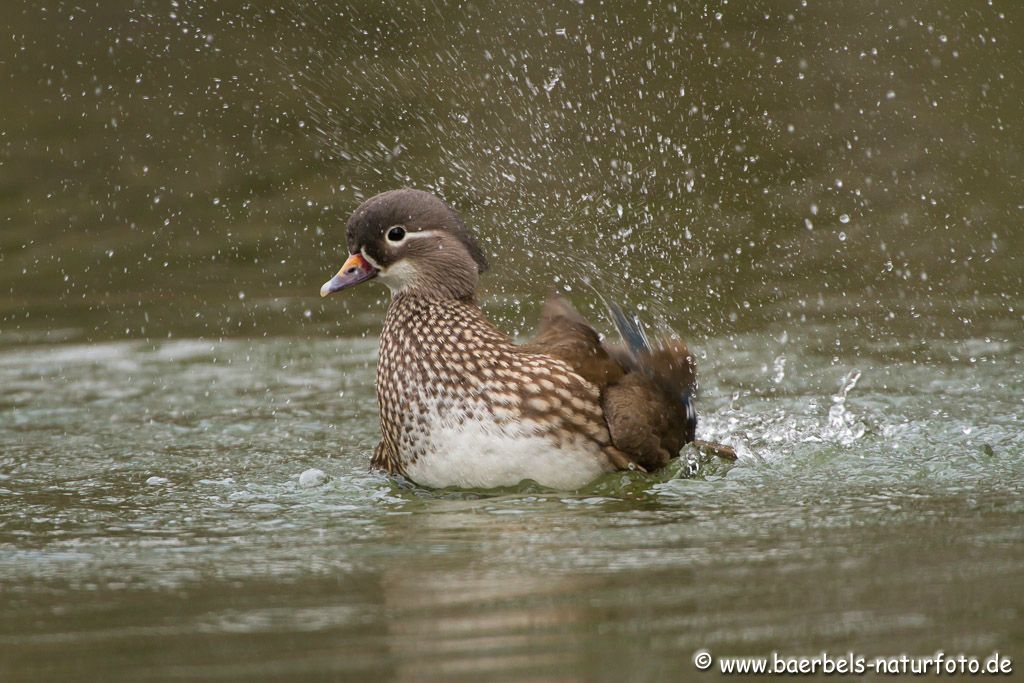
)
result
[(566, 335), (646, 389)]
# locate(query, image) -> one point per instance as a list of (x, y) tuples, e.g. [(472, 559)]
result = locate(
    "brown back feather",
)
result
[(566, 335), (640, 390)]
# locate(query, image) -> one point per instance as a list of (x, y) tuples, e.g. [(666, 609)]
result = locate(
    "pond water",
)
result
[(824, 200), (882, 519)]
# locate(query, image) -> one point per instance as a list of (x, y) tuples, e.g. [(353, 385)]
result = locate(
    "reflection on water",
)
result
[(900, 528)]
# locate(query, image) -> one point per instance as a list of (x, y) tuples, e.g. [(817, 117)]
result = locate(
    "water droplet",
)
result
[(780, 369), (844, 218), (553, 79)]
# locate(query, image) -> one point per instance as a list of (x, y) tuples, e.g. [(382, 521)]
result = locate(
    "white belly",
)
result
[(487, 454)]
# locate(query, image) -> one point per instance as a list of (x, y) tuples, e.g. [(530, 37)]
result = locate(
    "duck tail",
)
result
[(668, 364)]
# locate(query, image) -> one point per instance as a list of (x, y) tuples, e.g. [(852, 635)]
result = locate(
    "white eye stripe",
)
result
[(408, 235), (419, 235)]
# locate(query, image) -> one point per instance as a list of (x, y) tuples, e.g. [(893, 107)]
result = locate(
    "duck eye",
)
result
[(396, 233)]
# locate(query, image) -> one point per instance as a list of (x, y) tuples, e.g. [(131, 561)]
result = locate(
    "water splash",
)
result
[(779, 366), (843, 426)]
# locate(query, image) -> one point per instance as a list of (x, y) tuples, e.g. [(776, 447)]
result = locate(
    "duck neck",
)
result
[(437, 325)]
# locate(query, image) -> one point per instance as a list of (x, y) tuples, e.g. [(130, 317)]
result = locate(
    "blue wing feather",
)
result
[(632, 333), (691, 414)]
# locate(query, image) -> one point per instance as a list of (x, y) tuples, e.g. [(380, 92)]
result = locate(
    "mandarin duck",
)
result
[(463, 405)]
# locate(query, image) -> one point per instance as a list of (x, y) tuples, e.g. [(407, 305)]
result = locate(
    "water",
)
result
[(823, 200), (877, 517)]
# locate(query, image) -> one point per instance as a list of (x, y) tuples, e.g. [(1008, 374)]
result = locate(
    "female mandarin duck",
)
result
[(462, 405)]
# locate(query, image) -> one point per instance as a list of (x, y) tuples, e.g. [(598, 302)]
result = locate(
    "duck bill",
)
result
[(356, 270)]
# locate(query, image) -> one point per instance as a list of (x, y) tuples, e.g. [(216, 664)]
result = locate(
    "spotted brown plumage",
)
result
[(462, 405)]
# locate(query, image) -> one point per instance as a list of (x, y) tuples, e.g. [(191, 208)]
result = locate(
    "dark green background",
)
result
[(158, 159)]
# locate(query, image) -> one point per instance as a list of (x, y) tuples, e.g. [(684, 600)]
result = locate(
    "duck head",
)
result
[(414, 243)]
